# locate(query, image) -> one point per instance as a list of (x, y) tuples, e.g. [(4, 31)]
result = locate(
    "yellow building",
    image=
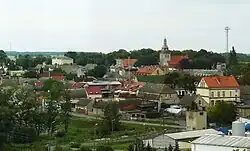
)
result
[(219, 88)]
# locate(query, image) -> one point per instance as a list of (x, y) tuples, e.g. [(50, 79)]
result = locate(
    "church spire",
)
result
[(165, 46)]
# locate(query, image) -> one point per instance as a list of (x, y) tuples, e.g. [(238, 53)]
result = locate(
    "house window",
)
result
[(199, 102), (218, 94), (212, 94), (230, 93), (212, 102), (223, 93), (201, 113)]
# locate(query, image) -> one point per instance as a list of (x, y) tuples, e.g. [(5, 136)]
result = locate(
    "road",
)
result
[(132, 122)]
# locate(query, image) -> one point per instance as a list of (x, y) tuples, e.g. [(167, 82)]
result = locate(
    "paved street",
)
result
[(132, 122)]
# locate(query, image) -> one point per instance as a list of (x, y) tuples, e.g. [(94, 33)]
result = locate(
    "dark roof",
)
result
[(131, 103), (156, 89), (187, 100), (83, 102), (100, 104), (77, 93), (152, 78)]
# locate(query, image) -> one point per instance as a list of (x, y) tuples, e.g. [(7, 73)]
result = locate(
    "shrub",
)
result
[(60, 134), (58, 148), (75, 145), (85, 149)]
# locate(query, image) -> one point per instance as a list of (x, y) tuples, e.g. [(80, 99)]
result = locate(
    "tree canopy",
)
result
[(222, 113)]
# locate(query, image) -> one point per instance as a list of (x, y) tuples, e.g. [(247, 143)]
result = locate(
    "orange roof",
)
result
[(146, 70), (221, 82), (175, 60), (126, 62)]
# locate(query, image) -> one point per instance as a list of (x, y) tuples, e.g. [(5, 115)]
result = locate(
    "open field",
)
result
[(81, 131)]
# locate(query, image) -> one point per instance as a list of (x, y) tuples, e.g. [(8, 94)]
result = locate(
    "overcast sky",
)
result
[(108, 25)]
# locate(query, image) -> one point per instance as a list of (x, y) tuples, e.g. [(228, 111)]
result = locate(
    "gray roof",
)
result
[(83, 102), (157, 88), (188, 99), (90, 66), (227, 141), (191, 134), (77, 93), (71, 68), (152, 91)]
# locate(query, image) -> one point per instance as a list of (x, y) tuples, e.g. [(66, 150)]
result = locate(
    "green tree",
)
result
[(98, 72), (176, 148), (165, 149), (170, 147), (71, 54), (222, 113), (111, 120), (30, 74), (52, 107), (65, 110), (71, 76), (148, 148), (131, 147), (232, 57), (186, 64), (47, 84), (48, 61), (185, 81)]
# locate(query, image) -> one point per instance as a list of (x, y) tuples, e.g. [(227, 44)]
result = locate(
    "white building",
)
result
[(183, 139), (221, 143), (219, 88), (61, 60)]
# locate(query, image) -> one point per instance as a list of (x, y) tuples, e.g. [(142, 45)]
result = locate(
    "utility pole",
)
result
[(227, 31)]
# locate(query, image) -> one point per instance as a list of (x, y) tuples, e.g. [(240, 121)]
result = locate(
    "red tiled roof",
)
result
[(221, 82), (146, 70), (78, 85), (131, 86), (175, 61), (55, 76), (94, 90), (126, 62)]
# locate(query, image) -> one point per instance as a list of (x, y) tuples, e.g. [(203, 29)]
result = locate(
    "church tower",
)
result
[(165, 55)]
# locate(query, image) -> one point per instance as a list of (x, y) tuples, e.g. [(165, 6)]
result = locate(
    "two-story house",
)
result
[(219, 88)]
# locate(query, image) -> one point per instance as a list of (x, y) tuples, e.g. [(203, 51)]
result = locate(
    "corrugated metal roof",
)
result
[(191, 134), (219, 140)]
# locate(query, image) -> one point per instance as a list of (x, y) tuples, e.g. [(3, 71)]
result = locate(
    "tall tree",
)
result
[(111, 120), (232, 57), (222, 113), (66, 109)]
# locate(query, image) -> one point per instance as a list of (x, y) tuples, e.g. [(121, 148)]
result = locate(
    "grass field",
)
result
[(81, 130)]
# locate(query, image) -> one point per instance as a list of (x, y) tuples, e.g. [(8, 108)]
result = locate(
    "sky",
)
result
[(110, 25)]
